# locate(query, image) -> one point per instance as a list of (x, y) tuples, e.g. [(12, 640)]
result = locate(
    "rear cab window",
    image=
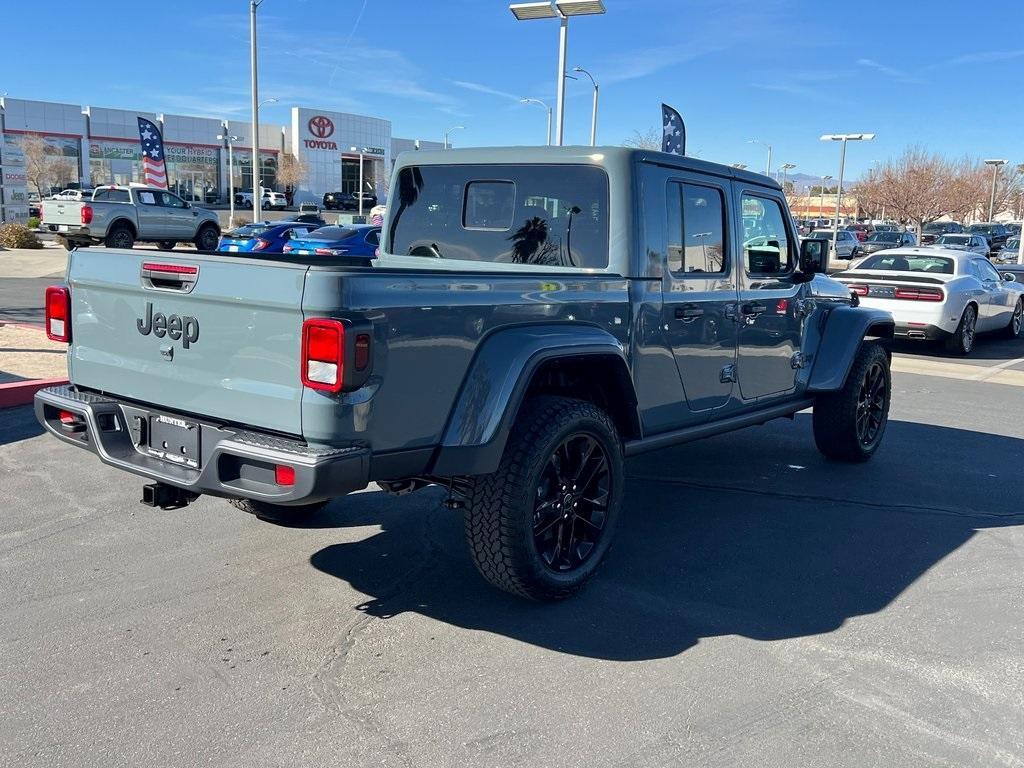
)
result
[(537, 215)]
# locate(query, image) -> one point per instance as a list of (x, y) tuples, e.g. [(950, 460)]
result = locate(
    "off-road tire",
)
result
[(166, 245), (836, 413), (68, 245), (1013, 328), (278, 513), (207, 238), (121, 236), (500, 507), (962, 341)]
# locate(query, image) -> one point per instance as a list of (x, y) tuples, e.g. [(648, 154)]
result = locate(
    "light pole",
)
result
[(547, 108), (821, 208), (561, 10), (593, 111), (843, 137), (786, 167), (257, 180), (768, 168), (453, 128), (996, 164), (256, 201), (231, 176)]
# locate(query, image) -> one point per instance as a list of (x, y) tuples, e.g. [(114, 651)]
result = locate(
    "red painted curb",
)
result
[(22, 392)]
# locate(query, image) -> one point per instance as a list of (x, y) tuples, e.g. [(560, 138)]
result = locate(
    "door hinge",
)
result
[(799, 360), (728, 374)]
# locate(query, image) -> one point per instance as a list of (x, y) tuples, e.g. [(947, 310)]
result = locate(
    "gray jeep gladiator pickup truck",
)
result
[(535, 316)]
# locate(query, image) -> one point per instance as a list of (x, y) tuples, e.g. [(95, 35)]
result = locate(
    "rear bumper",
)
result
[(921, 332), (234, 463)]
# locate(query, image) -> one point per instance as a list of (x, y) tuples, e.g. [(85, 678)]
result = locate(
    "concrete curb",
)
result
[(21, 392)]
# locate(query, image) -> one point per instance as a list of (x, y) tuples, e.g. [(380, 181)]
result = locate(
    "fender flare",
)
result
[(495, 385), (845, 329), (118, 222)]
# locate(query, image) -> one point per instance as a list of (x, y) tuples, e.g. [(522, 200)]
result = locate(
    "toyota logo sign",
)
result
[(321, 126)]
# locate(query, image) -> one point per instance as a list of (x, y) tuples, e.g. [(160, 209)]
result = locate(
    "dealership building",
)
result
[(87, 146)]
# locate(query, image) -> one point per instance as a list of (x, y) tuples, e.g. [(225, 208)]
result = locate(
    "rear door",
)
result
[(770, 325), (208, 336)]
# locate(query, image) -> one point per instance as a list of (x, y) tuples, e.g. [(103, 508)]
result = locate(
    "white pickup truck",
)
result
[(119, 216)]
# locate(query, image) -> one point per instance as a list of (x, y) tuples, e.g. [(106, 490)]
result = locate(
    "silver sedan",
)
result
[(963, 242)]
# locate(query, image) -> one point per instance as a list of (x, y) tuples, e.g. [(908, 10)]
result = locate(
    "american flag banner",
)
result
[(673, 131), (154, 171)]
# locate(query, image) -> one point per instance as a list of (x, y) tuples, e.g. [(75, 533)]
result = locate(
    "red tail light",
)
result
[(323, 353), (287, 249), (284, 475), (323, 251), (919, 294), (87, 214), (58, 313), (860, 290), (260, 244)]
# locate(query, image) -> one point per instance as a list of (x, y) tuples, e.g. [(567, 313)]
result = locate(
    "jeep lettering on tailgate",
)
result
[(183, 327)]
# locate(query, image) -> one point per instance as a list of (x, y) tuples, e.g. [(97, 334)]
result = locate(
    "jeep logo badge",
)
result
[(184, 328)]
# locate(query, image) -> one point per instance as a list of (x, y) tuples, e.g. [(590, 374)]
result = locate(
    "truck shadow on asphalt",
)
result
[(751, 534), (988, 346)]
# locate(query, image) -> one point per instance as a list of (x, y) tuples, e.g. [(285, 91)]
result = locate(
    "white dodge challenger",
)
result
[(939, 294)]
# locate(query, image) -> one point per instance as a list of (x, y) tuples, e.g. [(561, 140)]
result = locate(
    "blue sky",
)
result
[(782, 71)]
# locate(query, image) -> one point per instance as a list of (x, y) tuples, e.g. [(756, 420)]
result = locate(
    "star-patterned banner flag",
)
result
[(673, 133), (154, 171)]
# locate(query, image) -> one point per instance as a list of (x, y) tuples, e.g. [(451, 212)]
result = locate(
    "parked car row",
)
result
[(305, 238)]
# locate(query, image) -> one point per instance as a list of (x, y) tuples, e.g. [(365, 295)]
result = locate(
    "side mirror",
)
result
[(814, 256), (1009, 277)]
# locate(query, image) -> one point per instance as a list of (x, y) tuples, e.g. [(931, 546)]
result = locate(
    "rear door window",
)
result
[(538, 215)]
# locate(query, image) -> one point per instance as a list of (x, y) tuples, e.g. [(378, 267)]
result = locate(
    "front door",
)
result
[(769, 311), (698, 288), (180, 218)]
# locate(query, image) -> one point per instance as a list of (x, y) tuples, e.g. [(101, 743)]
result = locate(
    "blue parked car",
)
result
[(266, 237), (354, 240)]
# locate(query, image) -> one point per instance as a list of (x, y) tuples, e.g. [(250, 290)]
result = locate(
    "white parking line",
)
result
[(996, 374)]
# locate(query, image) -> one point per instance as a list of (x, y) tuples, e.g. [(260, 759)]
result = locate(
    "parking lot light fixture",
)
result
[(786, 167), (447, 144), (768, 167), (593, 111), (844, 138), (231, 175), (561, 10), (996, 165), (740, 166), (547, 108)]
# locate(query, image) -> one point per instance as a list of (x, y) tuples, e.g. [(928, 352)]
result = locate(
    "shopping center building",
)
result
[(86, 146)]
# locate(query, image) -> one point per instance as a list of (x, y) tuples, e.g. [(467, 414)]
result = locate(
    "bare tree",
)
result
[(37, 163), (650, 139), (62, 170), (291, 173), (914, 187)]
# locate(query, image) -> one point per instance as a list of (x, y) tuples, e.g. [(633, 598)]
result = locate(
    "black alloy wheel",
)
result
[(571, 503), (871, 404)]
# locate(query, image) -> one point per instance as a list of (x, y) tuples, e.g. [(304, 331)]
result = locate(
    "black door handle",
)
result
[(688, 312), (753, 309)]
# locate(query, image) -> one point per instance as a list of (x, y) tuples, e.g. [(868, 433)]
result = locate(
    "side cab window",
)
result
[(768, 247)]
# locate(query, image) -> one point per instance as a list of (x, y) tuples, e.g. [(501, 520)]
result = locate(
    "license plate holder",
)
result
[(62, 227), (174, 440)]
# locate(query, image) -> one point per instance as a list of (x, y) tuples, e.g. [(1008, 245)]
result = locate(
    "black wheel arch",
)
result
[(515, 364), (846, 328)]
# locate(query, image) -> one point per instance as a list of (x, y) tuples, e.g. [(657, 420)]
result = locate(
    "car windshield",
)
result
[(825, 233), (897, 262), (884, 237), (249, 230), (954, 240), (1013, 244), (936, 226), (330, 233)]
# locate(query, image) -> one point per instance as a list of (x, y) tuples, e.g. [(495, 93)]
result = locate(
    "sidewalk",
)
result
[(28, 362), (33, 262)]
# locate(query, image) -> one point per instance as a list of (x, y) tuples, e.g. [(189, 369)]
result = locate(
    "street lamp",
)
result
[(561, 10), (453, 128), (256, 201), (593, 111), (786, 167), (843, 137), (768, 168), (995, 173), (821, 208), (547, 108), (231, 175)]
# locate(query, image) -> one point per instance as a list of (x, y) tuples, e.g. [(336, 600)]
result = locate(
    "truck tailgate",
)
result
[(62, 212), (237, 325)]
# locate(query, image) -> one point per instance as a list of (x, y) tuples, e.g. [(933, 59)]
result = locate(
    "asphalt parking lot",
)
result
[(761, 607)]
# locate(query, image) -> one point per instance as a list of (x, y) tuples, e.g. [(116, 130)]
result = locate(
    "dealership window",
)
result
[(243, 170), (350, 174)]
